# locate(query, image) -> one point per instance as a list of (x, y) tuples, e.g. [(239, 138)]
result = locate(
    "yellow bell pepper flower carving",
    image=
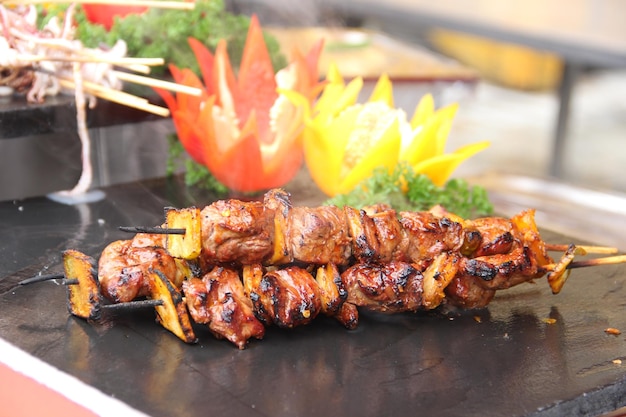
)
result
[(344, 141)]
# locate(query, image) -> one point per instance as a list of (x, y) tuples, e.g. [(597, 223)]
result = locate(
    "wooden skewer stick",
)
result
[(153, 82), (177, 5), (117, 306), (49, 277), (118, 97), (589, 249), (123, 61), (131, 305), (141, 69), (152, 230), (609, 260)]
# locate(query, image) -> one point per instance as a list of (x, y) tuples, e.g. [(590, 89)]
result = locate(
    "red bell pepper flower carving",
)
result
[(242, 128)]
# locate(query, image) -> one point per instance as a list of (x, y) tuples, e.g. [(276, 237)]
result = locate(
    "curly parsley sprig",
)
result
[(163, 33), (405, 190)]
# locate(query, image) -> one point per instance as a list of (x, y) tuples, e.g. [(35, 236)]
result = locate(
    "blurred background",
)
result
[(509, 92), (515, 103)]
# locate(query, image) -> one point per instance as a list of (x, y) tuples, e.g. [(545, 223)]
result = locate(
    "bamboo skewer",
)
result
[(118, 97), (153, 82), (176, 5), (139, 68), (152, 230), (609, 260), (130, 305), (588, 249), (125, 61), (42, 278)]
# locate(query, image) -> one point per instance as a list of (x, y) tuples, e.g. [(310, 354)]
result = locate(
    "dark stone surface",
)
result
[(506, 360), (57, 114)]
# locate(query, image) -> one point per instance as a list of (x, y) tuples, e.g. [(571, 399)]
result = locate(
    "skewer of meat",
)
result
[(298, 262), (269, 263), (237, 303), (85, 299), (273, 232)]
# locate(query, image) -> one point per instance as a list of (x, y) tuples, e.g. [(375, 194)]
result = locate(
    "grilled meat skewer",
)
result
[(270, 263), (254, 264), (273, 232)]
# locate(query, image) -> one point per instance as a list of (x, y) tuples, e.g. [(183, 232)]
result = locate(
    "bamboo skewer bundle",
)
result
[(56, 60)]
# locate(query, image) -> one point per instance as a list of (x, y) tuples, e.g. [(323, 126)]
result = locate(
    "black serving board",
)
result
[(57, 114), (505, 360)]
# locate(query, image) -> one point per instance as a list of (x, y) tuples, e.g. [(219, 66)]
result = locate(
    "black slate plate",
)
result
[(506, 360)]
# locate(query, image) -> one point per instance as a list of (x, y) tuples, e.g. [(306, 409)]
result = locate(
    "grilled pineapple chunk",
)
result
[(172, 314), (332, 291), (278, 200), (437, 277), (83, 299), (189, 244)]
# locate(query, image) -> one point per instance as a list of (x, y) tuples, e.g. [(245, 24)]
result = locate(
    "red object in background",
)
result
[(229, 128), (104, 14)]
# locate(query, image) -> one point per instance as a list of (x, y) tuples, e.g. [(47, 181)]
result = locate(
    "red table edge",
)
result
[(29, 387)]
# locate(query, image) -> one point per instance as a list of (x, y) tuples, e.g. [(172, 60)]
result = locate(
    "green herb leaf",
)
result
[(196, 175), (163, 33), (457, 196)]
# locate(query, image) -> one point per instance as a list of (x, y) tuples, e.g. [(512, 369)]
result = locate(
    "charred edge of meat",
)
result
[(480, 269), (505, 240), (278, 199)]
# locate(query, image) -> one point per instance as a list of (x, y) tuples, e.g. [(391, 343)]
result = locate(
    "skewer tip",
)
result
[(41, 278), (152, 230)]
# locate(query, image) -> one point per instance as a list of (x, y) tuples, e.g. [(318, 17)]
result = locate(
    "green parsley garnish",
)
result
[(196, 175), (163, 33), (457, 196)]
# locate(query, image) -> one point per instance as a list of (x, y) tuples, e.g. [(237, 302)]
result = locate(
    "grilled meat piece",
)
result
[(389, 288), (429, 235), (377, 235), (287, 297), (124, 264), (219, 301), (511, 253), (318, 236), (235, 231), (315, 236), (465, 291), (496, 236)]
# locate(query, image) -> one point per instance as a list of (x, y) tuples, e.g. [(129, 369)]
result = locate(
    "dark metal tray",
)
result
[(505, 360)]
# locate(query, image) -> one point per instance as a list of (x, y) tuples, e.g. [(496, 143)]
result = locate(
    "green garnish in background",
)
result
[(163, 33), (457, 196), (196, 175)]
